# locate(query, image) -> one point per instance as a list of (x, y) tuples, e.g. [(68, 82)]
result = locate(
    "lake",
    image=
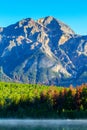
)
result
[(30, 124)]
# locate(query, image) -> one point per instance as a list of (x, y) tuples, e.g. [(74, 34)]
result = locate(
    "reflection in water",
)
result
[(43, 124)]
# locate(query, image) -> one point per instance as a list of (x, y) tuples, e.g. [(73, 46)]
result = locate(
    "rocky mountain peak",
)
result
[(44, 51), (53, 23)]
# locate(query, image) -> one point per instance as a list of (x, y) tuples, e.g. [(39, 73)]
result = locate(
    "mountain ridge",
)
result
[(44, 51)]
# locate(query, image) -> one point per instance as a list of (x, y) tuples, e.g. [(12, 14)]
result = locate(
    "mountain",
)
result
[(45, 51)]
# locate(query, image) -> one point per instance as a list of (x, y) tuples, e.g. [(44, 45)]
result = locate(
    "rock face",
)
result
[(45, 51)]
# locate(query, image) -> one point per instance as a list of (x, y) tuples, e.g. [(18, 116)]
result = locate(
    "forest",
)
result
[(39, 101)]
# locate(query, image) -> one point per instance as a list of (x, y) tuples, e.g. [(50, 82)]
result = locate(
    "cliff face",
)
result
[(45, 51)]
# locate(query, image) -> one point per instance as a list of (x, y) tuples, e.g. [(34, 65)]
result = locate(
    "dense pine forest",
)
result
[(40, 101)]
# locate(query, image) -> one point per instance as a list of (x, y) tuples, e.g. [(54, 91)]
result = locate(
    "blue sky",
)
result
[(71, 12)]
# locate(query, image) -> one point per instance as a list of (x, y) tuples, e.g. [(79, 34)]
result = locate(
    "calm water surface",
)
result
[(28, 124)]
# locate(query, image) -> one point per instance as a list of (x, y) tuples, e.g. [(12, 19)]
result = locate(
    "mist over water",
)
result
[(29, 124)]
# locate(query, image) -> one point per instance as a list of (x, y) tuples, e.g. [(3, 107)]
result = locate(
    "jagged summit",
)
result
[(53, 23), (44, 51)]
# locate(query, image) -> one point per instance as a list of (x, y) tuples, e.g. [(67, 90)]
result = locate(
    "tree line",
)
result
[(40, 101)]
